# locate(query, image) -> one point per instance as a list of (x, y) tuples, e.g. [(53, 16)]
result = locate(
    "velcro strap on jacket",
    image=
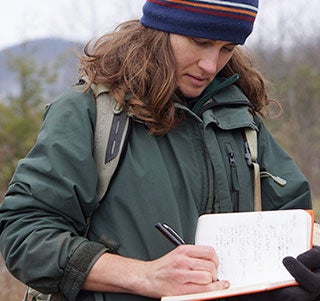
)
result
[(78, 267)]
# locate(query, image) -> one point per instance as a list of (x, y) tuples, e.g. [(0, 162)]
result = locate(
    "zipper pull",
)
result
[(247, 154), (280, 181), (232, 160)]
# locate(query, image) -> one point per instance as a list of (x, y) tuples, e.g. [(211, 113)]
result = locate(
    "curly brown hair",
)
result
[(138, 66)]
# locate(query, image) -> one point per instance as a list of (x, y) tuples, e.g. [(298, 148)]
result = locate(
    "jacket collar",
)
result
[(225, 105), (221, 92)]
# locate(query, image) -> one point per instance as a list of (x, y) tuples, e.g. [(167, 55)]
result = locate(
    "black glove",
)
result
[(306, 271)]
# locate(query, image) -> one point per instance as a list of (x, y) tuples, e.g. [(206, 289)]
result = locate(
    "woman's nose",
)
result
[(209, 62)]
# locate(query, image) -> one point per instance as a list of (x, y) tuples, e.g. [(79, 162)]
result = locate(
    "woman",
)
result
[(168, 71)]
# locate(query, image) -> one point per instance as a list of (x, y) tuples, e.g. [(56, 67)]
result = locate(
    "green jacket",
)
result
[(198, 167)]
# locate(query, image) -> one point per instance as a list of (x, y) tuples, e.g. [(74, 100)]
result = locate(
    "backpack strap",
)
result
[(251, 154), (110, 136), (251, 144), (112, 124)]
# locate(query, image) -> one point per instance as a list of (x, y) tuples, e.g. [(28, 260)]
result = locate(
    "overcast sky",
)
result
[(22, 20)]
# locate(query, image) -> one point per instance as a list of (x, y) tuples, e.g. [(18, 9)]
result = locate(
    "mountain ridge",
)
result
[(55, 53)]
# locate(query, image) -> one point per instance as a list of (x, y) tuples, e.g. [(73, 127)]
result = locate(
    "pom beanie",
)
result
[(230, 21)]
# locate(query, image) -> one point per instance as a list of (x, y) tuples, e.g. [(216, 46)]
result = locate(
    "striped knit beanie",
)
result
[(230, 21)]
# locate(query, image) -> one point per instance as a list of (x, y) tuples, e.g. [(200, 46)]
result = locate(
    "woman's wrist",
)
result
[(117, 274)]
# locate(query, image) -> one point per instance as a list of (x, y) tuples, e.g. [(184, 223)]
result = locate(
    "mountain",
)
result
[(56, 54)]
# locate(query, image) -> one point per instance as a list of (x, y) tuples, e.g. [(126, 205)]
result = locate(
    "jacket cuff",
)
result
[(78, 268)]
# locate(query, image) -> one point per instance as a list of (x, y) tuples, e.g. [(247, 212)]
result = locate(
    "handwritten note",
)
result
[(251, 246)]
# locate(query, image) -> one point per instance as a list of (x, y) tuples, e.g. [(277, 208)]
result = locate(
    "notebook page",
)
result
[(251, 245)]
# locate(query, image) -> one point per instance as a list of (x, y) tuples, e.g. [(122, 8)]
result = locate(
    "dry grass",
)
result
[(316, 209), (11, 289)]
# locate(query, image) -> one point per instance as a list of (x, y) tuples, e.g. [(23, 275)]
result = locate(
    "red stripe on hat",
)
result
[(204, 11), (216, 7)]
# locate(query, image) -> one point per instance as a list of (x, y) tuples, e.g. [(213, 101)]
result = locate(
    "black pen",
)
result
[(170, 234)]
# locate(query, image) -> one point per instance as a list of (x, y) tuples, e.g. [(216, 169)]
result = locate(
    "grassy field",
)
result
[(11, 289)]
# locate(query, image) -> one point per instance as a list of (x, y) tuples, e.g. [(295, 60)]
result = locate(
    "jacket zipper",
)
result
[(234, 179)]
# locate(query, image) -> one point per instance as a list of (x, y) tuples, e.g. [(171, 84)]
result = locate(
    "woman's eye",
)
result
[(228, 49), (200, 41)]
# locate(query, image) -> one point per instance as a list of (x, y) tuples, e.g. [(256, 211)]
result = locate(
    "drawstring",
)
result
[(280, 181)]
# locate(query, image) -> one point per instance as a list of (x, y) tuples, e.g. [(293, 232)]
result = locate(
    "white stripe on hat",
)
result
[(228, 3)]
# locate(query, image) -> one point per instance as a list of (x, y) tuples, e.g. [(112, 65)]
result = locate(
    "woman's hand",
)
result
[(185, 270)]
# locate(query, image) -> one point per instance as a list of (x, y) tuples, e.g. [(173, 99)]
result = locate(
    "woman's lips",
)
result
[(197, 81)]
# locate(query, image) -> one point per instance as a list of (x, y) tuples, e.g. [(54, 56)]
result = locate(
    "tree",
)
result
[(300, 130), (295, 76), (20, 114)]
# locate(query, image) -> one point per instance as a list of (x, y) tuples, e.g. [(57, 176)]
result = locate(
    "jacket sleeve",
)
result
[(53, 191), (276, 162)]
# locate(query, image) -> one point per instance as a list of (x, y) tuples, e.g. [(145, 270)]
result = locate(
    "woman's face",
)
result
[(198, 61)]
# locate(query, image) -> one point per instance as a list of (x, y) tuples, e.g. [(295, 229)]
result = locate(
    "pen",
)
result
[(170, 234)]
